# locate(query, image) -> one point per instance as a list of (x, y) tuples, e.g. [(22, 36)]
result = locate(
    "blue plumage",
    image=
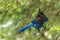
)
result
[(34, 24)]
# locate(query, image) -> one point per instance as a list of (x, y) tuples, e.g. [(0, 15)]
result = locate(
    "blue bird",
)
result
[(37, 22)]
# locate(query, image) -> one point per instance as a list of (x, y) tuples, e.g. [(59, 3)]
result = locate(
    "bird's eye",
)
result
[(39, 16)]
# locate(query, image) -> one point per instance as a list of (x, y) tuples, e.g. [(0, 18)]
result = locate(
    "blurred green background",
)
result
[(15, 14)]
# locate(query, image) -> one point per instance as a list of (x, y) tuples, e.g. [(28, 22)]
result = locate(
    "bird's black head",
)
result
[(40, 16)]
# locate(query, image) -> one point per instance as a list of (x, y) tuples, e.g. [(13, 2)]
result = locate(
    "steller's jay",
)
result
[(37, 22)]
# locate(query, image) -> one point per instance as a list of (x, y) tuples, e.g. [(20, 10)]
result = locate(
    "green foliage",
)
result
[(21, 12)]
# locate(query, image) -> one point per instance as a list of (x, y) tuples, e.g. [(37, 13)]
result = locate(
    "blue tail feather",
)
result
[(25, 27)]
